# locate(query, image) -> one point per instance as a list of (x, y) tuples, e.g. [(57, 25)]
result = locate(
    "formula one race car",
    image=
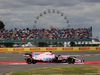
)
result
[(49, 57)]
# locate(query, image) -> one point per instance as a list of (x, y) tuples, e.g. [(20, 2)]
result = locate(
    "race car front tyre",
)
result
[(29, 60), (70, 60)]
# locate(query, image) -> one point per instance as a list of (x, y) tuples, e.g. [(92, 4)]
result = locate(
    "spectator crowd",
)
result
[(52, 33)]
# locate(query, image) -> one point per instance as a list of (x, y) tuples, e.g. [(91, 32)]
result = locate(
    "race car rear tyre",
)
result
[(70, 60), (29, 60)]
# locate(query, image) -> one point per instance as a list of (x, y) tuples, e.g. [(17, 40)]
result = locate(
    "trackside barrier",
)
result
[(33, 49)]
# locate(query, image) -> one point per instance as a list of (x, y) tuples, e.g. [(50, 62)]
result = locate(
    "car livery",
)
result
[(49, 57)]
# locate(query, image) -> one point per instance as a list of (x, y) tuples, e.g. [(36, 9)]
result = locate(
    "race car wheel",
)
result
[(28, 60), (70, 60)]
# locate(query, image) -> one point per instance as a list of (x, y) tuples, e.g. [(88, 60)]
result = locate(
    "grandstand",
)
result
[(46, 37)]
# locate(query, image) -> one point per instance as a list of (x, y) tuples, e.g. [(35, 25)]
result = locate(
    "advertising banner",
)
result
[(39, 49)]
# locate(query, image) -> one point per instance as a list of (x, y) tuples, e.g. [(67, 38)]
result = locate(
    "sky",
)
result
[(22, 14)]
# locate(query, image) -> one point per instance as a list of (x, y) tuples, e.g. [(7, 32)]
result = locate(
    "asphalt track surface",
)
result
[(18, 57)]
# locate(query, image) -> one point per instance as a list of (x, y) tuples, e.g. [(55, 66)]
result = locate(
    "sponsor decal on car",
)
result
[(36, 53), (77, 60), (47, 59)]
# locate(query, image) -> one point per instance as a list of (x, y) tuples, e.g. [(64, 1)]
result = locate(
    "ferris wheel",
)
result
[(45, 12)]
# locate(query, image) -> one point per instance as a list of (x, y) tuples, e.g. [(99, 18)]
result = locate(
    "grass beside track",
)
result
[(62, 70)]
